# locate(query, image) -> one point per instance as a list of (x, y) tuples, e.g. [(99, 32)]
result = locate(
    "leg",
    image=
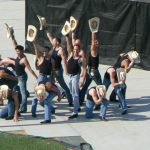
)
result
[(83, 91), (89, 109), (60, 79), (103, 108), (34, 107), (22, 84)]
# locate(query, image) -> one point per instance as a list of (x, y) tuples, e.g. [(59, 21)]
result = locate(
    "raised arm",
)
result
[(69, 45), (50, 37), (14, 41), (37, 51), (73, 38), (93, 46)]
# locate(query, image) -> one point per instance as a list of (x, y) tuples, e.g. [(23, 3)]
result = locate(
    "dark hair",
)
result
[(58, 39), (19, 47), (47, 47)]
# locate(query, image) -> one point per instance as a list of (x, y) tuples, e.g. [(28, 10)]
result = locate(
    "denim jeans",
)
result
[(91, 104), (22, 82), (96, 77), (46, 103), (73, 84), (60, 79), (8, 110), (43, 78), (121, 98)]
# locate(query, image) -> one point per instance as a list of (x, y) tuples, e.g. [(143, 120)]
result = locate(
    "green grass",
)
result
[(19, 142)]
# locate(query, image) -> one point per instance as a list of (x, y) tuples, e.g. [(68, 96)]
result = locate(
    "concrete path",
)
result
[(129, 132)]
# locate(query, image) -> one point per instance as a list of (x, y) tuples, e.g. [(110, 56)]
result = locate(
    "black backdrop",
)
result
[(125, 25)]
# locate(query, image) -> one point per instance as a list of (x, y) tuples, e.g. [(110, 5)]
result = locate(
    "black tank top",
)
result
[(93, 62), (119, 61), (107, 75), (73, 66), (57, 59), (19, 68), (89, 97), (46, 67), (5, 81)]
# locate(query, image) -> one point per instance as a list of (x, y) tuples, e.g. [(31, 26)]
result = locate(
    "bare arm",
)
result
[(7, 76), (64, 60), (14, 41), (93, 48), (73, 38), (29, 68), (50, 37), (112, 79), (7, 61), (37, 51), (69, 45)]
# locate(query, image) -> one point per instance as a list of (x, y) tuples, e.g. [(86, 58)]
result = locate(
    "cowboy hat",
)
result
[(32, 32), (101, 90), (134, 55), (94, 24), (40, 90), (66, 28), (121, 74), (73, 23), (42, 21), (10, 31), (4, 91)]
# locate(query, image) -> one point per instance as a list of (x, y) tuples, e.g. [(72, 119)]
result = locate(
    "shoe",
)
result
[(113, 100), (34, 115), (73, 116), (45, 122), (124, 112), (102, 118), (9, 118), (53, 111), (79, 109), (22, 111), (97, 107), (70, 104)]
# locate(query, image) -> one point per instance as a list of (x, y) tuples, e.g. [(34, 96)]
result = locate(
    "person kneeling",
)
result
[(96, 95), (44, 98)]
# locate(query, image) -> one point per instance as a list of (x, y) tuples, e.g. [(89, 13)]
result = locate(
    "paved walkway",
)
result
[(119, 133)]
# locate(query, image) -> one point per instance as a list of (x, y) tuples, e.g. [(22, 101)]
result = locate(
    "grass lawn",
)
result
[(21, 142)]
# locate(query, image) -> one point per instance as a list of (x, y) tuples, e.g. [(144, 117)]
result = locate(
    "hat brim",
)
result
[(10, 30), (73, 23), (121, 74), (66, 28), (101, 88), (31, 34), (40, 87), (42, 21), (94, 24)]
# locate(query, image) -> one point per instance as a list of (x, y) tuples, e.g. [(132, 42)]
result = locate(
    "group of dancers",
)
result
[(79, 67)]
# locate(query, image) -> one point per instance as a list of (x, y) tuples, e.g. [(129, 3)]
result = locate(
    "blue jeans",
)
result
[(8, 110), (46, 103), (91, 104), (22, 82), (121, 98), (60, 79), (43, 78), (96, 77), (73, 84)]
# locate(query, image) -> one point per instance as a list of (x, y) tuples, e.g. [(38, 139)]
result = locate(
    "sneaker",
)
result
[(34, 115), (113, 100), (73, 116), (70, 104), (45, 122), (124, 112), (102, 118), (9, 118)]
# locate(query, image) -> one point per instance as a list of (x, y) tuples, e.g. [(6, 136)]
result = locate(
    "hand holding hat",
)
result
[(10, 31), (94, 24), (42, 22), (31, 34)]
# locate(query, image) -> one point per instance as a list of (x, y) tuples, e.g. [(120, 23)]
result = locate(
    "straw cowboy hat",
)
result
[(32, 32), (101, 90), (40, 90), (134, 55), (94, 24), (42, 22), (66, 28), (73, 23), (121, 74), (10, 30), (4, 91)]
